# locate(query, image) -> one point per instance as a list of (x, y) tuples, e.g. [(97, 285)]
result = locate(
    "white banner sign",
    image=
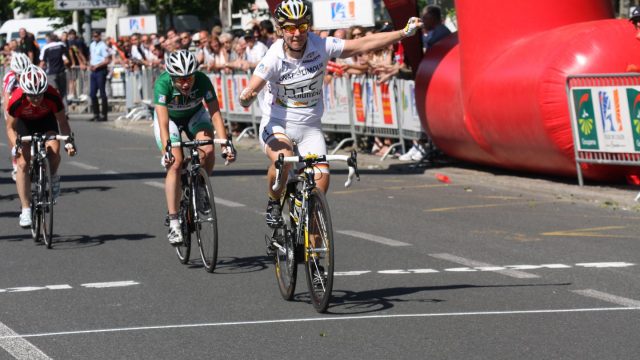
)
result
[(142, 24), (338, 14)]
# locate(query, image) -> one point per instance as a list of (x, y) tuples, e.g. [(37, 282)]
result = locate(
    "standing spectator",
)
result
[(78, 61), (434, 29), (185, 40), (53, 59), (98, 61), (28, 45), (138, 56), (226, 40), (267, 33), (256, 50), (204, 52)]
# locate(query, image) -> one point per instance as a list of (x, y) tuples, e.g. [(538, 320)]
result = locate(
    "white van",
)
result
[(39, 27)]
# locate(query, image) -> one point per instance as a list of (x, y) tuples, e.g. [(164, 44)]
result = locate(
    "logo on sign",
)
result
[(587, 136), (605, 111), (136, 24), (340, 11)]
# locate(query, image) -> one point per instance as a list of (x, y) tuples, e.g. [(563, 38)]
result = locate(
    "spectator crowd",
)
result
[(219, 51)]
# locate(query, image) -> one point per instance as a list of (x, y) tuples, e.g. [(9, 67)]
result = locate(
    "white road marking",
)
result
[(111, 284), (156, 184), (350, 273), (606, 264), (608, 297), (374, 238), (472, 263), (333, 318), (228, 203), (18, 347), (82, 165)]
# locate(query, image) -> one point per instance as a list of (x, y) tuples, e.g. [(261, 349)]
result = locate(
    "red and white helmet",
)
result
[(19, 62), (33, 81)]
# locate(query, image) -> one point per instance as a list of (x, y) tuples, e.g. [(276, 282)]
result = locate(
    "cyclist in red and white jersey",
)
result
[(19, 62), (35, 107), (293, 70)]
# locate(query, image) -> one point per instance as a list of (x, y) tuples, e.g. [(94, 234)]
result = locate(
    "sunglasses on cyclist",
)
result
[(183, 79), (291, 29), (35, 97)]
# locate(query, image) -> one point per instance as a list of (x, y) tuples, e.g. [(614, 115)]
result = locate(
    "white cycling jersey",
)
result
[(294, 86)]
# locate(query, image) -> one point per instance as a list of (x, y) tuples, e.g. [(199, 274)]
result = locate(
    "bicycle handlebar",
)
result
[(45, 138), (195, 143), (309, 160)]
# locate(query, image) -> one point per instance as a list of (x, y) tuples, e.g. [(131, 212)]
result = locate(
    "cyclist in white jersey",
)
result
[(293, 70)]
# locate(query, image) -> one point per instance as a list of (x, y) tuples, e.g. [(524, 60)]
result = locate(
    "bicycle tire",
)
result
[(34, 173), (184, 250), (286, 268), (47, 202), (319, 224), (205, 220)]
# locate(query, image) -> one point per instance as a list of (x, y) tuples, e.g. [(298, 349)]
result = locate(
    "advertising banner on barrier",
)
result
[(408, 110), (374, 104), (216, 80), (606, 118), (235, 84), (336, 102)]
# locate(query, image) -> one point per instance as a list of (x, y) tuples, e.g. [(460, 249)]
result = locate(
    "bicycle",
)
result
[(306, 234), (197, 212), (42, 200)]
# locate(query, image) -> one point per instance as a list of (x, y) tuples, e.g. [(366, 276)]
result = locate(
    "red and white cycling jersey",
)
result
[(9, 82), (21, 108)]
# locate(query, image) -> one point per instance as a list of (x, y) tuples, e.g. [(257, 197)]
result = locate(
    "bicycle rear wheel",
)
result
[(285, 256), (184, 250), (205, 220), (46, 210), (34, 173), (319, 251)]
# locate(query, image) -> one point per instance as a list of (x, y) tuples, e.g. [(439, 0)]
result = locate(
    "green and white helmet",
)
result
[(181, 63)]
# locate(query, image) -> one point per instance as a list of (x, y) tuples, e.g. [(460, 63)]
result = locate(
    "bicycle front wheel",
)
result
[(205, 220), (184, 250), (285, 256), (34, 173), (318, 256), (46, 198)]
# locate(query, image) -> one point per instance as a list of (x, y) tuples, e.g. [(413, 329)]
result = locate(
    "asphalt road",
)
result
[(426, 270)]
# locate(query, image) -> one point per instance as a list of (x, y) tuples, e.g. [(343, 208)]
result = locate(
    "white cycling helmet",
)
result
[(181, 63), (19, 62), (33, 81)]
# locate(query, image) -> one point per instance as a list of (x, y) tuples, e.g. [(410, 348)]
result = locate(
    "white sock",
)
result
[(26, 211), (174, 223)]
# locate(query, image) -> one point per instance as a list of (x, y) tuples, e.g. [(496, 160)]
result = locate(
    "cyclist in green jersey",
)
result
[(184, 98)]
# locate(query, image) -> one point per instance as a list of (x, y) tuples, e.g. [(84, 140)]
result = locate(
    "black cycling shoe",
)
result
[(274, 214)]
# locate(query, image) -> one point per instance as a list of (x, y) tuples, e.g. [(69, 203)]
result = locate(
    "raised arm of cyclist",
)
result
[(292, 108), (184, 99)]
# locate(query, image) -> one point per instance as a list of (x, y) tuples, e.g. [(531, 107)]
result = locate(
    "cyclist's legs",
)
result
[(172, 181), (23, 182), (310, 140), (275, 141), (200, 125)]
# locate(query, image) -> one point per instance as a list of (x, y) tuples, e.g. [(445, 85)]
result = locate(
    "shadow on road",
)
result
[(347, 302), (236, 265), (62, 242)]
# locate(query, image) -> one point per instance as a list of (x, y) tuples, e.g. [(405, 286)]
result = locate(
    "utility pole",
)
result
[(87, 26)]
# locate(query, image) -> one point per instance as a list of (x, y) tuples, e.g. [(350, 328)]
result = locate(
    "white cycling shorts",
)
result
[(308, 139)]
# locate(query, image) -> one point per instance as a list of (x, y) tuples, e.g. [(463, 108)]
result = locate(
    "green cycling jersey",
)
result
[(181, 106)]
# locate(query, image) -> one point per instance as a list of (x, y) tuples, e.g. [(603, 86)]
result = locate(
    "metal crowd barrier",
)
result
[(354, 107)]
